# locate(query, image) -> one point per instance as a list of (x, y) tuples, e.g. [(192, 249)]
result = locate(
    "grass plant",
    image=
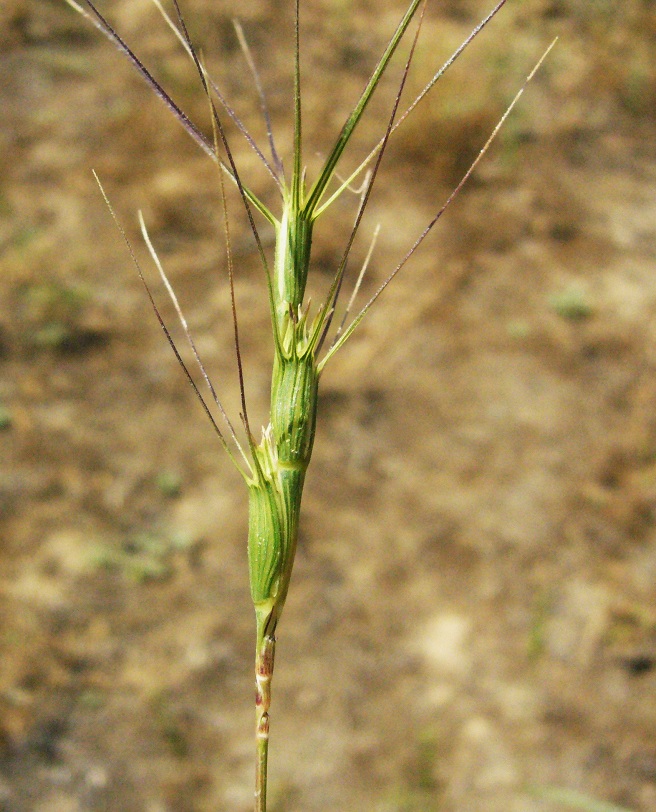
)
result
[(306, 336)]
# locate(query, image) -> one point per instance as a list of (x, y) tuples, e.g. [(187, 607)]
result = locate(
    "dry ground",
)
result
[(473, 610)]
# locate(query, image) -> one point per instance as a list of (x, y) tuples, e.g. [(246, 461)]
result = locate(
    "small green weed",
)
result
[(6, 419), (572, 799), (141, 558), (53, 315), (572, 304), (169, 483)]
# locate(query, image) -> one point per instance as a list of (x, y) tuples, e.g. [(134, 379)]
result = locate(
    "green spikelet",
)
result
[(284, 454)]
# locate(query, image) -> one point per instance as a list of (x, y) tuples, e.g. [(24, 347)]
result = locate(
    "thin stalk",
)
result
[(264, 657), (427, 88), (331, 300), (297, 176), (319, 187), (167, 334), (224, 103), (277, 162), (356, 321), (358, 282), (190, 338)]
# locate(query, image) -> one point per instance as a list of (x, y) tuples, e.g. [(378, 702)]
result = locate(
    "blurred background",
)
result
[(472, 617)]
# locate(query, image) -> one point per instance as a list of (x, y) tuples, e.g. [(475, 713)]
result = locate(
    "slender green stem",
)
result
[(297, 177), (264, 655), (328, 170), (261, 772)]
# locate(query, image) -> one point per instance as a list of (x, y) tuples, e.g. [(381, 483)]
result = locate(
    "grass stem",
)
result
[(264, 656)]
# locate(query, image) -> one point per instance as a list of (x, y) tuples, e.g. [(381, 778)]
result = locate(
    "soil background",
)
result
[(472, 618)]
